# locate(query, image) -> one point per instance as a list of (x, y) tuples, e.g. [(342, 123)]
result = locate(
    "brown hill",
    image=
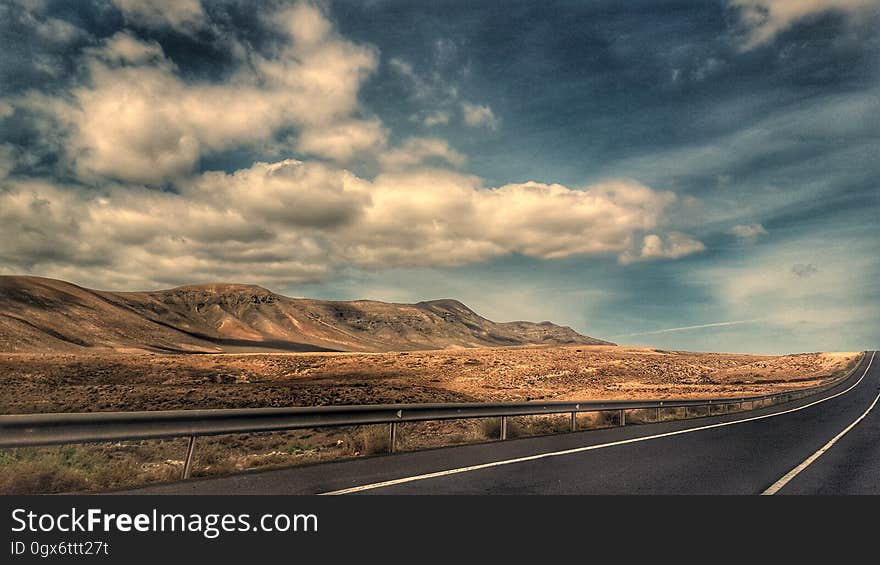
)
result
[(38, 314)]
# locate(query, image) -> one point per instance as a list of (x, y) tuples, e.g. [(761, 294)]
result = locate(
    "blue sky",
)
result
[(686, 175)]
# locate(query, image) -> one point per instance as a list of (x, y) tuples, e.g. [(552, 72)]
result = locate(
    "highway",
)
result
[(824, 444)]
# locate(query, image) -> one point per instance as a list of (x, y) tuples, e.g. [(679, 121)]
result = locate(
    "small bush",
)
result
[(491, 428), (540, 425), (373, 440), (598, 420)]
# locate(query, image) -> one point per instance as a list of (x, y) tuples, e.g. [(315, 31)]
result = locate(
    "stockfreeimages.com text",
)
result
[(210, 526)]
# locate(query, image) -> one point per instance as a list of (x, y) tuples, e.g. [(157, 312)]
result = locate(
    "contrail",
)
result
[(688, 328)]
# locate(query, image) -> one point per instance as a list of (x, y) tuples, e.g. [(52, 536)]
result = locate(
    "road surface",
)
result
[(825, 444)]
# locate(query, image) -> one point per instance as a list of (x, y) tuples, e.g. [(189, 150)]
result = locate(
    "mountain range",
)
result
[(47, 315)]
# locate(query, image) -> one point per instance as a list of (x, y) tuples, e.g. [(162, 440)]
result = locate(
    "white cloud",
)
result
[(763, 19), (476, 115), (553, 221), (291, 221), (437, 118), (403, 68), (437, 96), (134, 118), (441, 98), (416, 150), (292, 194), (342, 140), (430, 88), (673, 246), (748, 232), (34, 14), (178, 14), (8, 157), (57, 31)]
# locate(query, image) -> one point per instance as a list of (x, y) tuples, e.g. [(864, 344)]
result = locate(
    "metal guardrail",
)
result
[(30, 430)]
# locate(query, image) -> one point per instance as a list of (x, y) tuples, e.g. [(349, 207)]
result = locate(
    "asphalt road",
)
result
[(825, 444)]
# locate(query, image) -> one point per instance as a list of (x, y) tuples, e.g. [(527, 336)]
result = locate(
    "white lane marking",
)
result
[(777, 486), (582, 449)]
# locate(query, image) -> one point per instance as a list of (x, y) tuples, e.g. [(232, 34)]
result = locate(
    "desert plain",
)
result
[(120, 380)]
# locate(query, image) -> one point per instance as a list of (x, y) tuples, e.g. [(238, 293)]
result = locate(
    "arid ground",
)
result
[(119, 381)]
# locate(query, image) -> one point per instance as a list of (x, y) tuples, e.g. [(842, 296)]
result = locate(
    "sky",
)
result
[(695, 175)]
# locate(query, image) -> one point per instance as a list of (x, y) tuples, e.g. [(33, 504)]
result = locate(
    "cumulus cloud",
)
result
[(748, 232), (417, 150), (178, 14), (673, 246), (290, 193), (343, 140), (431, 217), (135, 118), (294, 221), (763, 19), (476, 115)]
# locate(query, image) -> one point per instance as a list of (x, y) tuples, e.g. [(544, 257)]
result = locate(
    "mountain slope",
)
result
[(38, 314)]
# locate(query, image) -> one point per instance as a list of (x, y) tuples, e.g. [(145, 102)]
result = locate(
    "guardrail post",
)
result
[(658, 413), (187, 464), (623, 417), (503, 427), (685, 412), (574, 422), (392, 439)]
